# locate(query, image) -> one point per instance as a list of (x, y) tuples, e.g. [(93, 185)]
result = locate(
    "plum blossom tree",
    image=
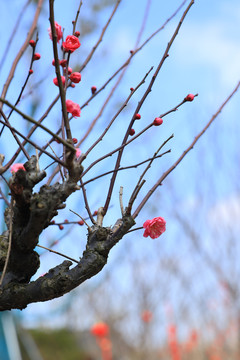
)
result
[(30, 209)]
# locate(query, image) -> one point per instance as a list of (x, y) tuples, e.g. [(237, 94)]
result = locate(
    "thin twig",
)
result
[(58, 253), (86, 202), (114, 88), (29, 118), (125, 64), (139, 183), (116, 150), (125, 167), (138, 228), (166, 173), (165, 55), (89, 228), (175, 108), (21, 51), (14, 134), (121, 200), (100, 38), (27, 78), (118, 112), (57, 69), (60, 170), (77, 15), (146, 13), (93, 123), (30, 142), (14, 32)]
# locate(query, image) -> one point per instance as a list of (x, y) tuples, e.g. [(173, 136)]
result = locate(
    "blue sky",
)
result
[(204, 59)]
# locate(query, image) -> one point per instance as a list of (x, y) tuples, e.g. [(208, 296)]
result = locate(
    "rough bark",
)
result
[(31, 214)]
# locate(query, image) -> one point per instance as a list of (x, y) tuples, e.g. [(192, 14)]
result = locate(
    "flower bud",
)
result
[(63, 62), (75, 77), (32, 43), (93, 89), (189, 97), (157, 121), (36, 56), (55, 81)]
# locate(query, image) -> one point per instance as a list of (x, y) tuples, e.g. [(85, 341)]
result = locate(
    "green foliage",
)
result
[(99, 5), (57, 344)]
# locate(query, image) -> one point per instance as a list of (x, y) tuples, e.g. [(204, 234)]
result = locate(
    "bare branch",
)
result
[(190, 147), (165, 55), (21, 51)]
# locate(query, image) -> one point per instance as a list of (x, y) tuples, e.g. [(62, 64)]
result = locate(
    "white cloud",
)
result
[(226, 213)]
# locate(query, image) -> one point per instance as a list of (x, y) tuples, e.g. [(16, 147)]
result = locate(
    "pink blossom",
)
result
[(17, 166), (154, 228), (58, 30), (71, 43), (73, 108), (78, 152), (100, 329)]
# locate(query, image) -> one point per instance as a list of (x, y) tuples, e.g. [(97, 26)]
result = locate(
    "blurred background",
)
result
[(175, 297)]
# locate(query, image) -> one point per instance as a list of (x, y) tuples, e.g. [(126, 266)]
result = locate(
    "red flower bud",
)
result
[(93, 89), (157, 121), (74, 140), (55, 81), (95, 213), (63, 62), (132, 89), (77, 33), (131, 132), (30, 71), (36, 56), (69, 70), (189, 97), (75, 77), (61, 227), (81, 222), (53, 62), (32, 43), (137, 116)]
